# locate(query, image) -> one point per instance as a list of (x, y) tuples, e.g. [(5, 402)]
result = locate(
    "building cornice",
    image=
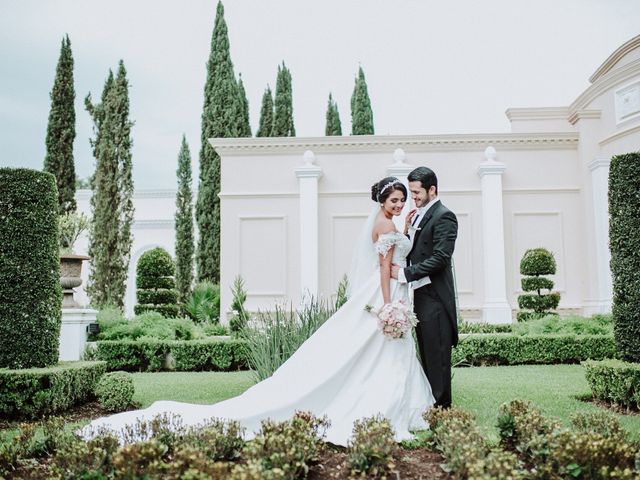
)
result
[(604, 83), (537, 113), (619, 135), (379, 143), (584, 114), (614, 58)]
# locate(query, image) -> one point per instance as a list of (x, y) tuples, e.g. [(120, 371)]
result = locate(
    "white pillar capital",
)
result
[(598, 163), (308, 169), (490, 166)]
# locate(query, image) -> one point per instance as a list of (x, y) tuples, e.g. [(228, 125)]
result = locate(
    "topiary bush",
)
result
[(115, 391), (624, 243), (156, 287), (614, 381), (535, 263), (30, 292)]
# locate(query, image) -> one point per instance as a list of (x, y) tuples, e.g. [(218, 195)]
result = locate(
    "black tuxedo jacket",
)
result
[(430, 255)]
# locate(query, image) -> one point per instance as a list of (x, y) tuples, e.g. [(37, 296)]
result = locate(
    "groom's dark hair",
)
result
[(425, 176)]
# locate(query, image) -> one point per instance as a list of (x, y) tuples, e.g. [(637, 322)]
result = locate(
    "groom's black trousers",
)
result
[(434, 334)]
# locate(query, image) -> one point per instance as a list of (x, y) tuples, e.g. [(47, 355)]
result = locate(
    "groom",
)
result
[(433, 232)]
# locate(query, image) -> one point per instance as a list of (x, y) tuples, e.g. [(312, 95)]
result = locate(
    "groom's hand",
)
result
[(394, 271)]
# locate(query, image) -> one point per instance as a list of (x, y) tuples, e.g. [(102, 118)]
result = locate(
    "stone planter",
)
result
[(70, 270)]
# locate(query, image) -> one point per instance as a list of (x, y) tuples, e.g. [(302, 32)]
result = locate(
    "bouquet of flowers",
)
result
[(395, 319)]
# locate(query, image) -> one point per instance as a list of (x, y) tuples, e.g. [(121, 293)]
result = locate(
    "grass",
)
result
[(552, 388), (481, 390)]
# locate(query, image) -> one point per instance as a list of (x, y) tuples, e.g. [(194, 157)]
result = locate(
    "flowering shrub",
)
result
[(468, 456), (371, 449), (287, 447)]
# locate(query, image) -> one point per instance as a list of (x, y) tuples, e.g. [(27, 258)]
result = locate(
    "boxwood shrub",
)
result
[(509, 349), (156, 288), (614, 381), (30, 292), (192, 355), (624, 242), (34, 392)]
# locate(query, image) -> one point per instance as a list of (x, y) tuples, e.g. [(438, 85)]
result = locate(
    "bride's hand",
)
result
[(408, 219)]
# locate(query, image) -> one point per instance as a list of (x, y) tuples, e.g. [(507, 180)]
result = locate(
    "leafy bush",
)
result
[(480, 327), (288, 446), (624, 242), (553, 324), (203, 304), (43, 391), (150, 325), (217, 439), (277, 335), (511, 349), (602, 423), (153, 355), (70, 227), (554, 452), (240, 317), (139, 356), (115, 391), (30, 291), (372, 446), (614, 381), (215, 330), (458, 438), (209, 355), (156, 285), (536, 262)]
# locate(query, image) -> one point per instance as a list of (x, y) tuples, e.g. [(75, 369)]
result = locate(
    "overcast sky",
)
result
[(431, 66)]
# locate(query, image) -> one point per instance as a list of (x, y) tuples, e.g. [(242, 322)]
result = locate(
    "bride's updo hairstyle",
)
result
[(380, 191)]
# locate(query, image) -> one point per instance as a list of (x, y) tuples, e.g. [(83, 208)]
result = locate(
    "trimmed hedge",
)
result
[(156, 288), (614, 381), (192, 355), (210, 355), (35, 392), (624, 242), (509, 349), (30, 292)]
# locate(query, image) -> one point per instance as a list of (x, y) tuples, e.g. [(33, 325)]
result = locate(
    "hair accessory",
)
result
[(391, 183)]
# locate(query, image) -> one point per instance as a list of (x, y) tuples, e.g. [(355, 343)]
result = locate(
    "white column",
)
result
[(599, 187), (73, 332), (308, 175), (400, 169), (495, 309)]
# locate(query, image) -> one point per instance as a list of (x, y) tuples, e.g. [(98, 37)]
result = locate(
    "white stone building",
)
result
[(291, 206)]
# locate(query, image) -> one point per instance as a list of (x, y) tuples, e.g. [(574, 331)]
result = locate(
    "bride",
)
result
[(347, 369)]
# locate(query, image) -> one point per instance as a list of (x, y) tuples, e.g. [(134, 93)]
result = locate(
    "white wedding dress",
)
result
[(346, 370)]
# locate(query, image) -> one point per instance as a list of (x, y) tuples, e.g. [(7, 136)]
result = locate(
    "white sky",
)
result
[(431, 66)]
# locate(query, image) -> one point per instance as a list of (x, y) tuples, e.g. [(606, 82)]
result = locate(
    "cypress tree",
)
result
[(184, 224), (61, 130), (219, 119), (110, 236), (333, 125), (266, 114), (361, 113), (244, 126), (283, 117)]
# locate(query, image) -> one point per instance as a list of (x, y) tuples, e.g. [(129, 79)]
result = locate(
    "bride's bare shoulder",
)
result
[(383, 225)]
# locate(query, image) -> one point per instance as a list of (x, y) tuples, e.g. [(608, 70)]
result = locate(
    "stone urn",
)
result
[(70, 270)]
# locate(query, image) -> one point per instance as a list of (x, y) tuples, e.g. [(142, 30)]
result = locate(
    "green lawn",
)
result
[(552, 388)]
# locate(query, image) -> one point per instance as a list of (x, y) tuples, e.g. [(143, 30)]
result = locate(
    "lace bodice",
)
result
[(402, 247)]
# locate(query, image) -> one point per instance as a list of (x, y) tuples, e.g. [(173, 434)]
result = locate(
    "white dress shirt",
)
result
[(413, 229)]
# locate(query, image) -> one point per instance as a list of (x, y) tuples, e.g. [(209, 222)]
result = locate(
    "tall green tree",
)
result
[(283, 117), (61, 130), (266, 114), (219, 119), (244, 126), (333, 125), (110, 236), (184, 224), (361, 113)]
